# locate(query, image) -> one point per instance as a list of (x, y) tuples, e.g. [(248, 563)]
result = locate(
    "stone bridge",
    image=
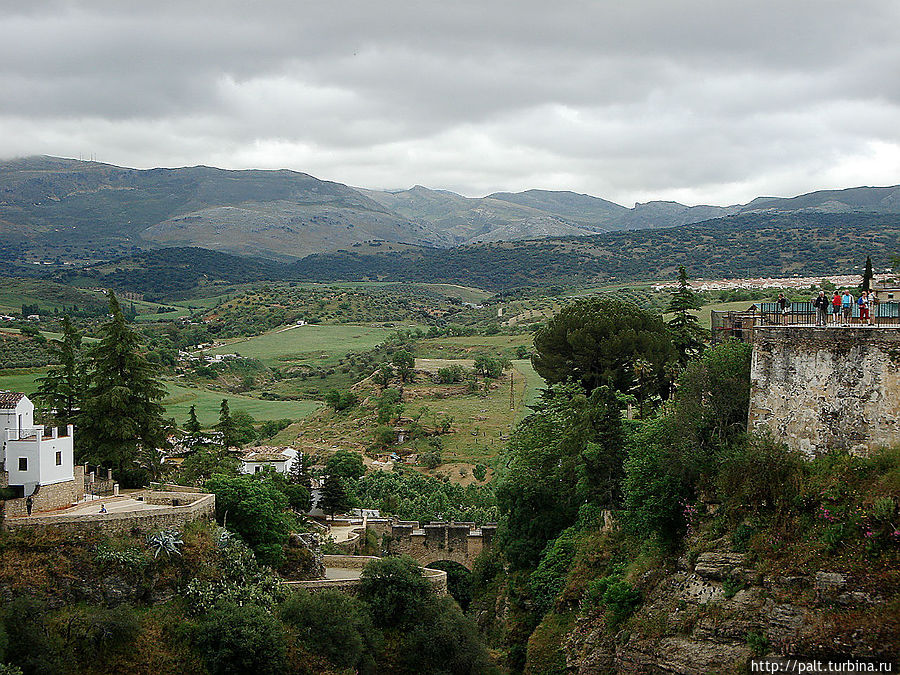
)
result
[(459, 542)]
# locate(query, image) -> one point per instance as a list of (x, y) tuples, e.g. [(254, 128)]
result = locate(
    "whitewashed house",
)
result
[(281, 460), (33, 459)]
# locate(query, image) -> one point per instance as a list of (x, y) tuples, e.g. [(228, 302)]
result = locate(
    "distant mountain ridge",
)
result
[(287, 215)]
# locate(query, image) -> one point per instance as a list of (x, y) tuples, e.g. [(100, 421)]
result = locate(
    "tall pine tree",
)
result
[(121, 412), (60, 391), (687, 335)]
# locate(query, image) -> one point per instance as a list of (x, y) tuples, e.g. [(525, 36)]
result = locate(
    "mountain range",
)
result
[(286, 215)]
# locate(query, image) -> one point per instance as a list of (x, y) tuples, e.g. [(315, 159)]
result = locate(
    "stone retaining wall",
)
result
[(49, 497), (150, 520), (819, 389)]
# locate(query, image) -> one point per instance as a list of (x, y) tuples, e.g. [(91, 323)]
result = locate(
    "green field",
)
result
[(207, 403), (181, 398), (468, 347), (20, 379), (320, 345), (533, 384)]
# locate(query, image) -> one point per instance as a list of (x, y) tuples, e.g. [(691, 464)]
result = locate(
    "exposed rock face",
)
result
[(305, 556), (818, 389), (713, 616)]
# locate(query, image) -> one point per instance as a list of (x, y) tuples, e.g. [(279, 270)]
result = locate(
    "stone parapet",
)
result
[(821, 389), (147, 520)]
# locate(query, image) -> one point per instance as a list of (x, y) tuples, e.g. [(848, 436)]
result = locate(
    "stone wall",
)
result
[(459, 542), (818, 389), (437, 578), (49, 497), (149, 520)]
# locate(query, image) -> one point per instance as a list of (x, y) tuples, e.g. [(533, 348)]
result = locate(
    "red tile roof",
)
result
[(10, 399)]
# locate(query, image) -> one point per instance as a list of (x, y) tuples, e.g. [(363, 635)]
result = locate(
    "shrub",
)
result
[(165, 541), (731, 586), (550, 576), (255, 510), (237, 639), (760, 475), (480, 472), (333, 625), (758, 643), (443, 640), (395, 591), (431, 459)]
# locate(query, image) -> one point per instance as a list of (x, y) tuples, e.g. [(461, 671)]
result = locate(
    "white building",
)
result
[(31, 456), (281, 460)]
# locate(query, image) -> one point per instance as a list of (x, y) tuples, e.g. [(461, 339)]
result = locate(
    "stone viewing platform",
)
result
[(144, 510), (822, 388)]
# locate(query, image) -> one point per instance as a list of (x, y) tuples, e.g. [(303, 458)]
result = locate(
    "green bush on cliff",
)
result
[(235, 639)]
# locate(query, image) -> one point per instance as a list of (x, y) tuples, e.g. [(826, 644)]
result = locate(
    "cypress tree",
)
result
[(687, 335), (62, 388), (121, 412), (334, 496), (868, 275), (225, 425)]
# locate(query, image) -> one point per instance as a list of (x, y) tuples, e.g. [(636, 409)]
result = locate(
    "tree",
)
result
[(244, 427), (686, 331), (395, 590), (334, 626), (62, 388), (192, 426), (255, 510), (340, 400), (121, 411), (567, 452), (236, 639), (488, 367), (225, 425), (595, 341), (404, 363), (334, 496), (868, 275), (345, 464)]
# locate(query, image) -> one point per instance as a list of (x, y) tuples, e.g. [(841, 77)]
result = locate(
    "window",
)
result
[(257, 469), (23, 464), (59, 458)]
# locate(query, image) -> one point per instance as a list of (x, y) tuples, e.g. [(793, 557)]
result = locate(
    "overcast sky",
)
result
[(713, 101)]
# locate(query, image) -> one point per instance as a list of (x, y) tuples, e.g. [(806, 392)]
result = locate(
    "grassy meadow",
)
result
[(315, 344), (181, 398)]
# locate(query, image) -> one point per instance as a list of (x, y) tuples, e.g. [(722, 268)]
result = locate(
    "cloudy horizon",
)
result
[(696, 101)]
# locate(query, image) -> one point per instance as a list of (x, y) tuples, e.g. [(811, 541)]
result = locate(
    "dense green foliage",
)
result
[(254, 509), (413, 496), (597, 341), (237, 639), (61, 388), (120, 409), (569, 451)]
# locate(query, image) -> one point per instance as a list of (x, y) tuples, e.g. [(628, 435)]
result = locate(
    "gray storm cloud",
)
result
[(712, 102)]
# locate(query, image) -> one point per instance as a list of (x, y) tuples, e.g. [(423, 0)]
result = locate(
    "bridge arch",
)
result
[(457, 542)]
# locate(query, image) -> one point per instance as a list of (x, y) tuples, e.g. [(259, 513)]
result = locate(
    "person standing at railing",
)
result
[(782, 303), (847, 306), (821, 305), (836, 306), (863, 303)]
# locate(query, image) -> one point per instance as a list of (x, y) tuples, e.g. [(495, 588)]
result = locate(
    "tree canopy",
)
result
[(596, 341)]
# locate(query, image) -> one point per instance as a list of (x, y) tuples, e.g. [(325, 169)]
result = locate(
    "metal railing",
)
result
[(740, 324)]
